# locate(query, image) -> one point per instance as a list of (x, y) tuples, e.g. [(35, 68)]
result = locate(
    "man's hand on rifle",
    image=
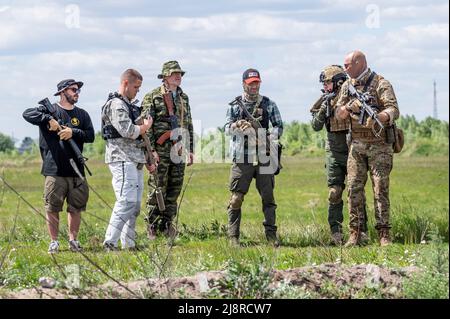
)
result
[(156, 157), (66, 133), (54, 126), (151, 167), (241, 125), (190, 159), (354, 106), (147, 124)]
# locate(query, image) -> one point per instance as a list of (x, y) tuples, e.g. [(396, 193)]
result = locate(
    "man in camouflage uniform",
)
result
[(323, 114), (125, 158), (368, 152), (247, 162), (171, 138)]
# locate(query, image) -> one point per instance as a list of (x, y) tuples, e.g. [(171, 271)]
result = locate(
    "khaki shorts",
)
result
[(71, 188)]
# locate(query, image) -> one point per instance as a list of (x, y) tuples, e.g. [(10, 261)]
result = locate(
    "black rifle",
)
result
[(274, 151), (366, 110), (325, 97), (50, 109)]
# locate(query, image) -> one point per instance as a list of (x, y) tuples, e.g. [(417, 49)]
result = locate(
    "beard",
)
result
[(71, 99), (251, 95)]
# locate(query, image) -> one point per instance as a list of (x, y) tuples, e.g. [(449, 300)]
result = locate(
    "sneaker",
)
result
[(234, 241), (53, 247), (109, 247), (74, 245)]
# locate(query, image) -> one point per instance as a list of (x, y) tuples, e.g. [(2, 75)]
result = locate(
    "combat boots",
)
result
[(337, 238), (385, 239), (357, 239), (151, 231), (273, 239), (170, 231)]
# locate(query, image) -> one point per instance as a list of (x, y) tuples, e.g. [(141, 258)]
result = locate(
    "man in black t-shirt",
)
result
[(61, 180)]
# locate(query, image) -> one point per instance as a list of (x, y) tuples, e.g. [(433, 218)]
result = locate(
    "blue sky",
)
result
[(43, 42)]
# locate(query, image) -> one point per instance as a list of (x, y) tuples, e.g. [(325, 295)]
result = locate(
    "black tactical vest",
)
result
[(108, 130), (264, 105)]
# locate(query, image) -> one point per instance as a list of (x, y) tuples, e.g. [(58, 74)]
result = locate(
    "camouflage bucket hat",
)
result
[(332, 73), (169, 68)]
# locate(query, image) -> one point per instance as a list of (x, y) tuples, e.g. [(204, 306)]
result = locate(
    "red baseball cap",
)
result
[(251, 75)]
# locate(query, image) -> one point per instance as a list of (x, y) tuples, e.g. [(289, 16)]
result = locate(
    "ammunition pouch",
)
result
[(399, 139)]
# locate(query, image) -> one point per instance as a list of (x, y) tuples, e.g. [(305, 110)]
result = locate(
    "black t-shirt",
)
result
[(54, 152)]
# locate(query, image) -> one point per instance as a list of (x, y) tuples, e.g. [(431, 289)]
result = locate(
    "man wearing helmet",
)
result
[(370, 152), (323, 114)]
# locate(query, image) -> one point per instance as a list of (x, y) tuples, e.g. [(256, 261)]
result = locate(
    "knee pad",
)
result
[(335, 194), (236, 200)]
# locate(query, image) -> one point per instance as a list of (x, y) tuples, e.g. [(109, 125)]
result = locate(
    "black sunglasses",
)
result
[(75, 90)]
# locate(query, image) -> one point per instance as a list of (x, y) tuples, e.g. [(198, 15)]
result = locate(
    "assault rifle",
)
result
[(366, 110), (150, 159), (50, 109), (325, 97), (274, 150)]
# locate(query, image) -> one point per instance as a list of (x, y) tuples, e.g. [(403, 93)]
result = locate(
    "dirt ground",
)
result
[(344, 280)]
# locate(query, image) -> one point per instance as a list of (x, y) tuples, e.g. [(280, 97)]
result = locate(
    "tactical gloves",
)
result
[(354, 106)]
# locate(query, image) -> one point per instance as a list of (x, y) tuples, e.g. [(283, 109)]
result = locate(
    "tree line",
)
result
[(424, 138)]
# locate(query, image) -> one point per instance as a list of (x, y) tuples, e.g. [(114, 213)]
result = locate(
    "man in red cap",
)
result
[(249, 161)]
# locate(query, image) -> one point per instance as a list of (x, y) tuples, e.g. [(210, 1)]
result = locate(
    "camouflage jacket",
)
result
[(155, 103), (127, 148), (383, 97)]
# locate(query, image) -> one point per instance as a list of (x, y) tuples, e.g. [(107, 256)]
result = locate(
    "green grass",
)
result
[(419, 207)]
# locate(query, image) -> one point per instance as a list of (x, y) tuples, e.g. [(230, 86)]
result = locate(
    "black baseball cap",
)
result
[(64, 84), (251, 75)]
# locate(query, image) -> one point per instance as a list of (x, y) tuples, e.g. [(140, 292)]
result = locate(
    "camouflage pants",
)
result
[(170, 179), (375, 159), (241, 177)]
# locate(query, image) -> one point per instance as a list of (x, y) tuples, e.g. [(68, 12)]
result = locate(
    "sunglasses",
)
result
[(75, 90)]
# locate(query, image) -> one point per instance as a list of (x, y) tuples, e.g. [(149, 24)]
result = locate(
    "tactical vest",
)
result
[(108, 130), (361, 132), (260, 110), (333, 123)]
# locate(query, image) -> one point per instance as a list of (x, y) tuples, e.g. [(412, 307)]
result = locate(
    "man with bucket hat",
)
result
[(62, 181), (172, 142)]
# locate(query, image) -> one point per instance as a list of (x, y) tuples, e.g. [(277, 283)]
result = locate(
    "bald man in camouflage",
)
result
[(368, 152), (323, 115), (172, 141)]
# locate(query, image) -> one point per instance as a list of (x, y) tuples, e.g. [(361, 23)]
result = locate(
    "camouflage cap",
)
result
[(169, 68), (332, 73)]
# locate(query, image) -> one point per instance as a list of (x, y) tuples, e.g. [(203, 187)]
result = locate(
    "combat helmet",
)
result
[(333, 73)]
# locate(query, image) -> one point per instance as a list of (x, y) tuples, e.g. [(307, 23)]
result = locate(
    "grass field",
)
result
[(419, 212)]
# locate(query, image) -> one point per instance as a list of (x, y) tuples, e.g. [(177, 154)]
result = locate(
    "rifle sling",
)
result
[(168, 101)]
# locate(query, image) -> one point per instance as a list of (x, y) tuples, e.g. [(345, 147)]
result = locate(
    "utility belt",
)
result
[(368, 136)]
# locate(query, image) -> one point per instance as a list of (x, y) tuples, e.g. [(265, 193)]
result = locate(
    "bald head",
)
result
[(355, 63)]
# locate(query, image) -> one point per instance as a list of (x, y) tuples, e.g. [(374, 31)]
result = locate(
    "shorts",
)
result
[(73, 189)]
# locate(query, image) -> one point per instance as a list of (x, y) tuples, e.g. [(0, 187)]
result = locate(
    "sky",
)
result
[(288, 41)]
